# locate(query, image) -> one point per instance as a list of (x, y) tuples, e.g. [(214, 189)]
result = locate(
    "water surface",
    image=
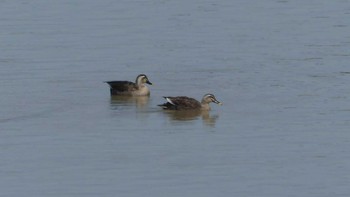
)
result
[(280, 68)]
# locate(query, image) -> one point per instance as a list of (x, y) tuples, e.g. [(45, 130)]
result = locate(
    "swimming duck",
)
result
[(128, 88), (187, 103)]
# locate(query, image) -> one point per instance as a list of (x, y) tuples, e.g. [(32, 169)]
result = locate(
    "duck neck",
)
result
[(205, 105)]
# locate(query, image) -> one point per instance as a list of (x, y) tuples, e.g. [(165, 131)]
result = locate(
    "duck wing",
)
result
[(181, 103), (122, 86)]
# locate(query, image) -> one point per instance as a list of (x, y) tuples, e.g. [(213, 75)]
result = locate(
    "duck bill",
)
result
[(217, 102), (148, 82)]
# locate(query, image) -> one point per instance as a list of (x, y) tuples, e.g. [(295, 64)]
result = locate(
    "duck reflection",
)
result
[(188, 115), (208, 119), (139, 101)]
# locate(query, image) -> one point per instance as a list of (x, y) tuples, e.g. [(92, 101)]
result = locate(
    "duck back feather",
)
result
[(181, 103)]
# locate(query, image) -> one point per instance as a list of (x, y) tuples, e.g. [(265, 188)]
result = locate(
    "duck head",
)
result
[(142, 79)]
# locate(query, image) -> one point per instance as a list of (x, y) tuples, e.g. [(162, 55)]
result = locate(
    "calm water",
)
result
[(281, 68)]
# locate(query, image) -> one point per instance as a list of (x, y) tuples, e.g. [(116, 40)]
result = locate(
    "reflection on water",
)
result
[(140, 101), (208, 119)]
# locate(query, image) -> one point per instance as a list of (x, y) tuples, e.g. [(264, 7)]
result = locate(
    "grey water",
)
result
[(281, 69)]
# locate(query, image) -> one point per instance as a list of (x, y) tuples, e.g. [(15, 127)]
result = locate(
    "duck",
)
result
[(187, 103), (128, 88)]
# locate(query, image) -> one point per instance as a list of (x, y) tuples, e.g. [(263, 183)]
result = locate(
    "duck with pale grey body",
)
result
[(187, 103), (128, 88)]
